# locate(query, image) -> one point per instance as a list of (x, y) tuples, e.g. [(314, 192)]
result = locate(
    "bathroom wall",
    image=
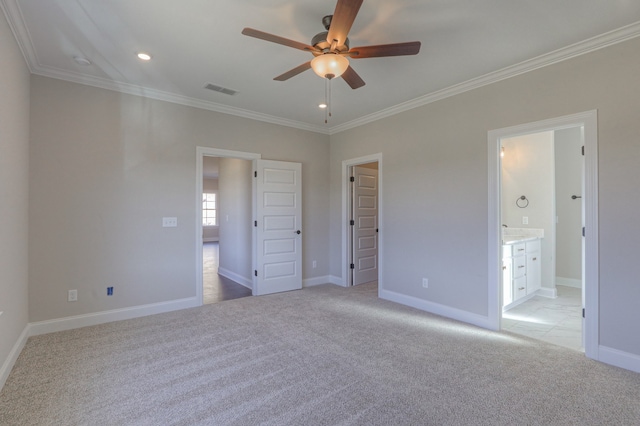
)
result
[(528, 169)]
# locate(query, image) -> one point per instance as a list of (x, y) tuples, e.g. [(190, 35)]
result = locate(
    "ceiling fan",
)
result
[(331, 48)]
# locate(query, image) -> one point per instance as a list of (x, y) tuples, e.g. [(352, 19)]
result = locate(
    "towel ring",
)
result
[(522, 202)]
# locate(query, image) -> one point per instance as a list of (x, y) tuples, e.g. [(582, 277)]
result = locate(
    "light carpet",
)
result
[(324, 355)]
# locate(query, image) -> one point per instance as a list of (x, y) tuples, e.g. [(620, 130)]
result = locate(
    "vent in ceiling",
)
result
[(220, 89)]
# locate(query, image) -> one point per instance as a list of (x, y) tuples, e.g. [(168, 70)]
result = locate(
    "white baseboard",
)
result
[(77, 321), (619, 358), (310, 282), (569, 282), (8, 364), (235, 277), (436, 308), (337, 281), (551, 293)]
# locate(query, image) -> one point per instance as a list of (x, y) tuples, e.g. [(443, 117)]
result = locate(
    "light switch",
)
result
[(169, 222)]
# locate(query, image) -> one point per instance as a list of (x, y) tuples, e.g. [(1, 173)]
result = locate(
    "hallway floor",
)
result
[(217, 288), (557, 321)]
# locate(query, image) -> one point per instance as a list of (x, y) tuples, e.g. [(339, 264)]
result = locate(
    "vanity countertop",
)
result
[(520, 235)]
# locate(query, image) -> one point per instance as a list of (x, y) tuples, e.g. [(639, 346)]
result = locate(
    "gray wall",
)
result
[(235, 253), (106, 167), (568, 183), (14, 181), (435, 171)]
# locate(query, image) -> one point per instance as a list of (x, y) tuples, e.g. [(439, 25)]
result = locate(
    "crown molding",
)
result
[(586, 46), (132, 89), (21, 34), (15, 20)]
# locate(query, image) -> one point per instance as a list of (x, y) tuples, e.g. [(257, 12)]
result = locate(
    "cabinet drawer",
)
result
[(532, 246), (519, 287), (519, 266)]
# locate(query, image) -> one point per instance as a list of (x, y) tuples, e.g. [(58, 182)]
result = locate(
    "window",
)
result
[(209, 216)]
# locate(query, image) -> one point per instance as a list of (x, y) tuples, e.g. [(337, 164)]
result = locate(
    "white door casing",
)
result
[(278, 224), (365, 225)]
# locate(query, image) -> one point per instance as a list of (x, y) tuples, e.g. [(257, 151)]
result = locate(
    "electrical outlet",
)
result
[(315, 264), (425, 283), (169, 222), (525, 220), (72, 296)]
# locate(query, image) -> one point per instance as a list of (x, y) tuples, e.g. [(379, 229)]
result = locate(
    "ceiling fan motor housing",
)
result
[(320, 41)]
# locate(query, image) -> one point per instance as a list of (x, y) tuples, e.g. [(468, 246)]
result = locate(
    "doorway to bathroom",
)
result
[(542, 284)]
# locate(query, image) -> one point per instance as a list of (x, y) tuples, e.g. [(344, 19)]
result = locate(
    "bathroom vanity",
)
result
[(521, 265)]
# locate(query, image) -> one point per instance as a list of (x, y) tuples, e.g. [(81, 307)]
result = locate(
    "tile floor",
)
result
[(557, 321), (217, 288)]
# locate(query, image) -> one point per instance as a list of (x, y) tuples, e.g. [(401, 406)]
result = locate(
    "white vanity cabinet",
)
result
[(534, 270), (521, 271)]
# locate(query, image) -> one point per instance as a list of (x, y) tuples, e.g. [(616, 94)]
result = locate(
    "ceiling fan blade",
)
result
[(352, 78), (343, 17), (277, 39), (381, 50), (292, 73)]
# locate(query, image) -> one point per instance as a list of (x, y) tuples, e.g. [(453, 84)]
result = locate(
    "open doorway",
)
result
[(586, 121), (226, 239), (362, 210), (542, 216)]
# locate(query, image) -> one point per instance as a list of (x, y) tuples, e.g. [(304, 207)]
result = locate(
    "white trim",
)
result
[(210, 240), (346, 164), (310, 282), (16, 22), (581, 48), (569, 282), (589, 121), (95, 318), (551, 293), (8, 364), (435, 308), (201, 152), (620, 358), (337, 281), (243, 281)]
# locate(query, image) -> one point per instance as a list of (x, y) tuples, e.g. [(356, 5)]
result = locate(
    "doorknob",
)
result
[(298, 232)]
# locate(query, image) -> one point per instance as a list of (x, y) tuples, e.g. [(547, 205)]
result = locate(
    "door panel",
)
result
[(279, 225), (365, 232)]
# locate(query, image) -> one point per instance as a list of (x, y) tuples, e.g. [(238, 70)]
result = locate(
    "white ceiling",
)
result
[(465, 43)]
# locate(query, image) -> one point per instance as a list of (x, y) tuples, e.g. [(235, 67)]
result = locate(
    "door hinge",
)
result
[(583, 313), (255, 174), (352, 179), (255, 223), (583, 231), (352, 266), (352, 222), (582, 149), (255, 272)]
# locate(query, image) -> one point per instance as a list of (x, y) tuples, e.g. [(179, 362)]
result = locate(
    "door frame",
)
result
[(589, 121), (201, 152), (346, 165)]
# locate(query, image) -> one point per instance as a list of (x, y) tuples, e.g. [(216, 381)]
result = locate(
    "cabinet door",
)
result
[(534, 273), (519, 287), (507, 283)]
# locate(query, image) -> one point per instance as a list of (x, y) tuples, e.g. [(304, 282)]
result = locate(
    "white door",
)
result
[(365, 225), (278, 227)]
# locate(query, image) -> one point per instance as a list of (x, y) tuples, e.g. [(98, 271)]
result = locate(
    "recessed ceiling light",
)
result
[(144, 56), (81, 60), (323, 106)]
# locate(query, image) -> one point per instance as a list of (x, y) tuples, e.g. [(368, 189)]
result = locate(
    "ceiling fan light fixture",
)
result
[(329, 65)]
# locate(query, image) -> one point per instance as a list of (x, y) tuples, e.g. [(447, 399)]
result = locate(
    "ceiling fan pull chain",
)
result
[(326, 100)]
